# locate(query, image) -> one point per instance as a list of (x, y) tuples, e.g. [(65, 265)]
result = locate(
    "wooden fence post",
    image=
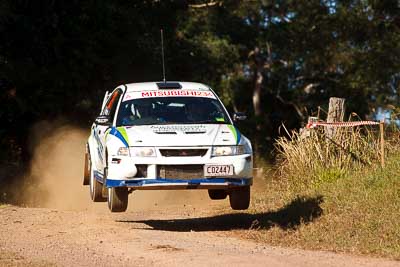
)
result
[(382, 135), (335, 113)]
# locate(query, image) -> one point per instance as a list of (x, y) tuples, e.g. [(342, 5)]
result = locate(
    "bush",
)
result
[(313, 155)]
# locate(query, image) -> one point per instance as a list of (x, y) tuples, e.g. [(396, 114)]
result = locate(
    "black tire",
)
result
[(95, 187), (216, 194), (117, 199), (86, 171), (240, 198)]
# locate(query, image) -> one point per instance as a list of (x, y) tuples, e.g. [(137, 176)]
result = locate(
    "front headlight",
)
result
[(123, 151), (143, 151), (227, 151)]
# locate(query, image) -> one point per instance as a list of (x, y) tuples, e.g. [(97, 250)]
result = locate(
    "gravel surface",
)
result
[(155, 237)]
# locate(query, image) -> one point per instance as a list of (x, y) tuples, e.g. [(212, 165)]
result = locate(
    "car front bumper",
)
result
[(242, 164), (119, 174)]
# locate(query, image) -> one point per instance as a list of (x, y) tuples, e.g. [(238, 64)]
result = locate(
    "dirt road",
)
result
[(178, 235)]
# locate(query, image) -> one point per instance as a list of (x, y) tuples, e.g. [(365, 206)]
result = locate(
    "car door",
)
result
[(100, 128)]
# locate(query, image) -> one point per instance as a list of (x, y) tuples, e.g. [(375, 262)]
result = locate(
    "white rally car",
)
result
[(166, 135)]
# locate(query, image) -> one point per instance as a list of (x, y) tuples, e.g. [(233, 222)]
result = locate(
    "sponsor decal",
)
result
[(128, 97), (180, 128), (168, 93)]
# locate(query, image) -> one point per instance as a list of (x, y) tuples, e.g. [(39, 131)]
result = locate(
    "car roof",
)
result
[(152, 86)]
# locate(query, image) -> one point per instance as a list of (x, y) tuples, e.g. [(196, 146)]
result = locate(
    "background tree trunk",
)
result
[(257, 93)]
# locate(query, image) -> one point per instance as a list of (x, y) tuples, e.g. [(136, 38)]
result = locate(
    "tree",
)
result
[(299, 53), (277, 60)]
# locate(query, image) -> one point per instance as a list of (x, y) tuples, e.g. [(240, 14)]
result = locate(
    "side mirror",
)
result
[(103, 120), (239, 116)]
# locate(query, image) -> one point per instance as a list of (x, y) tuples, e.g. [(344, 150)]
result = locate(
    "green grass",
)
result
[(353, 209)]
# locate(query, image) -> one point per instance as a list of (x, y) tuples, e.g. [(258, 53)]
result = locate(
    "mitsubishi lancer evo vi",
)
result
[(166, 135)]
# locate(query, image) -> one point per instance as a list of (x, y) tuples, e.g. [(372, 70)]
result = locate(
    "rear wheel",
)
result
[(117, 199), (216, 194), (96, 187), (240, 198)]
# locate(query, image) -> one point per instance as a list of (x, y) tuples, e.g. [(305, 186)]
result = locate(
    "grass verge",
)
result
[(345, 207)]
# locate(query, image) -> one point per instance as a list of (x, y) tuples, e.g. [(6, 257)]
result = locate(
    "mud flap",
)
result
[(86, 171), (104, 190)]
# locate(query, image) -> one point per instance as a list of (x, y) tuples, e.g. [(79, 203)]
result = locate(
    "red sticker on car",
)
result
[(168, 93)]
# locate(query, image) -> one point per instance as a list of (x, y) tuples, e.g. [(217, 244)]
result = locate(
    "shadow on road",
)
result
[(301, 210)]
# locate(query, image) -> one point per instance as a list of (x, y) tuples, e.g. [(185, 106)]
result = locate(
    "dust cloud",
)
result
[(55, 178), (56, 171)]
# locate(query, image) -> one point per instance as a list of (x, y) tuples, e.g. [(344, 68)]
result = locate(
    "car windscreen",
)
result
[(171, 110)]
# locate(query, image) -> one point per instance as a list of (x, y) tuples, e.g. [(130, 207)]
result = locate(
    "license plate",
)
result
[(218, 170)]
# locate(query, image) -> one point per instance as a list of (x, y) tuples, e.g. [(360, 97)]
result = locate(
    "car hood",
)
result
[(181, 135)]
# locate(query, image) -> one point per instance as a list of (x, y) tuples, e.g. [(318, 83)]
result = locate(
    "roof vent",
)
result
[(169, 85)]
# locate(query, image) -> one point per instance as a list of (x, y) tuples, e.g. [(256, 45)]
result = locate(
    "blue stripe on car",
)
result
[(239, 136), (98, 175), (117, 134)]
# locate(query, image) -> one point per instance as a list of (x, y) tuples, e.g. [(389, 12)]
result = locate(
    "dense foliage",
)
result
[(276, 60)]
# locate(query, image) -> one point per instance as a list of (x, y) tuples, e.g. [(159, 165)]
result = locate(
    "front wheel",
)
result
[(240, 198), (117, 199)]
